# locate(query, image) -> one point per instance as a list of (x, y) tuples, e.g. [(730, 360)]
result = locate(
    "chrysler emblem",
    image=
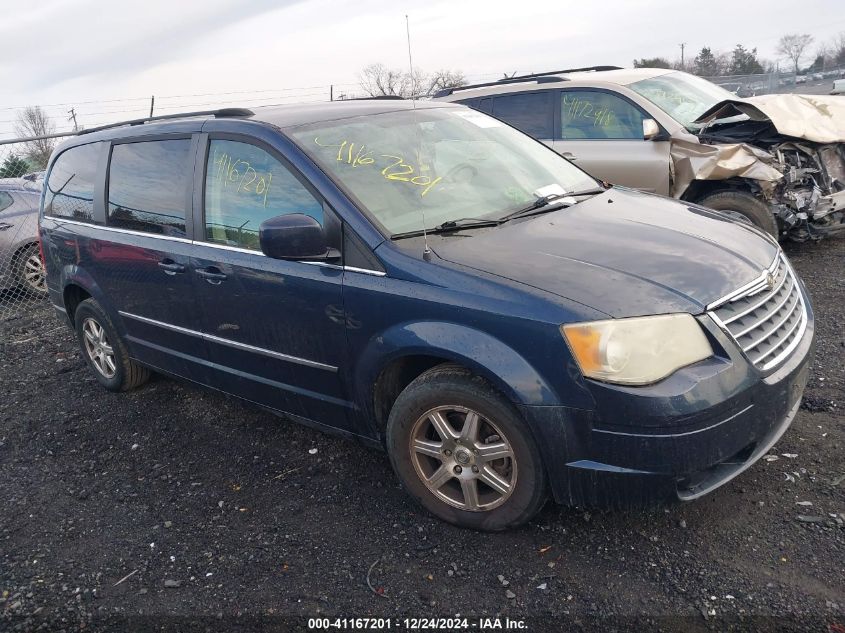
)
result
[(770, 280)]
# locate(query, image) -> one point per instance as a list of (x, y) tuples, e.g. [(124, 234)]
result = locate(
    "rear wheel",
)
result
[(29, 270), (463, 451), (743, 206), (104, 351)]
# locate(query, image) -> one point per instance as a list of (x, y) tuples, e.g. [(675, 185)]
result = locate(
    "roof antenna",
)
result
[(426, 249)]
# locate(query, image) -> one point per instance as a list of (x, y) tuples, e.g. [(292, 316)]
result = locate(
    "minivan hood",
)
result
[(623, 252)]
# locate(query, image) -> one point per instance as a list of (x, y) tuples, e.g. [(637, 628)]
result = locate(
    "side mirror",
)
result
[(294, 236), (650, 129)]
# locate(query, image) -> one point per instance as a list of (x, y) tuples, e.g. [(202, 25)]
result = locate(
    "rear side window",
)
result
[(6, 200), (590, 114), (70, 188), (529, 112), (244, 185), (148, 186)]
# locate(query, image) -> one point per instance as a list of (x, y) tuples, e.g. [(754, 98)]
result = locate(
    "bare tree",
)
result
[(32, 121), (793, 47), (378, 81), (837, 49), (723, 63), (442, 79)]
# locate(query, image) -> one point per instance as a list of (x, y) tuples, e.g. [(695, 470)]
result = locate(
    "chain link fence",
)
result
[(22, 282), (818, 82)]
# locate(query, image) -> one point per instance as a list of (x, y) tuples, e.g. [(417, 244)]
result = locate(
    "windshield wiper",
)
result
[(550, 203), (447, 226)]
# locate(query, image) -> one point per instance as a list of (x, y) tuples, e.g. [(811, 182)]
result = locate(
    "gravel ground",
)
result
[(125, 511)]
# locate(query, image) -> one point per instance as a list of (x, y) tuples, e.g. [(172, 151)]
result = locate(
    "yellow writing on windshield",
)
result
[(249, 181), (395, 168)]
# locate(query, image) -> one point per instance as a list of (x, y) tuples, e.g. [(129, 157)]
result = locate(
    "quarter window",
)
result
[(70, 187), (590, 114), (148, 186), (244, 185), (529, 112), (6, 200)]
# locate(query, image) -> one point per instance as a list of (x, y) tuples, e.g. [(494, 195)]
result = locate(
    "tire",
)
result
[(460, 494), (99, 342), (745, 205), (29, 271)]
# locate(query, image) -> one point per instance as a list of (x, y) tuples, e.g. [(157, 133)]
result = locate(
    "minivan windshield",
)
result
[(415, 169), (683, 97)]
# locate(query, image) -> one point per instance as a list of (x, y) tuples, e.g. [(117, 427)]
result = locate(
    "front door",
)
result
[(602, 133), (274, 329)]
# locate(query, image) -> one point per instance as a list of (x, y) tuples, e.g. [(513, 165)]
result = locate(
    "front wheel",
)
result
[(743, 206), (463, 452)]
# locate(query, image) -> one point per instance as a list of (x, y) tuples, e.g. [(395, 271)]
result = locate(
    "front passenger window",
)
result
[(244, 185), (592, 114)]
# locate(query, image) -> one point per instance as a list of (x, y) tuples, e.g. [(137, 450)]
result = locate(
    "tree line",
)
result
[(794, 47)]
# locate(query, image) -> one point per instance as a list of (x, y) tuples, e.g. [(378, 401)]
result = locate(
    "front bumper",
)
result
[(676, 440)]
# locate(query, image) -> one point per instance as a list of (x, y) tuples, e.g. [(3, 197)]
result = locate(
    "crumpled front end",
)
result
[(790, 147), (810, 199), (700, 161)]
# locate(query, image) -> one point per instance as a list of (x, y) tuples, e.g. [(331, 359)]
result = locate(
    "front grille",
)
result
[(767, 322)]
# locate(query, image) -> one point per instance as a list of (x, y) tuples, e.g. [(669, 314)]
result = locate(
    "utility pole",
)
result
[(682, 45), (331, 92), (72, 117), (152, 105)]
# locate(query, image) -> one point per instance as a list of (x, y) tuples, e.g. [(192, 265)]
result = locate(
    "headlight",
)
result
[(636, 351)]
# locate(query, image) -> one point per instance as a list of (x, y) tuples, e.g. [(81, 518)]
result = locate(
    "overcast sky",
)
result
[(115, 54)]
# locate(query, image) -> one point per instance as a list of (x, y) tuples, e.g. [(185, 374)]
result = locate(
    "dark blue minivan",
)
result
[(425, 278)]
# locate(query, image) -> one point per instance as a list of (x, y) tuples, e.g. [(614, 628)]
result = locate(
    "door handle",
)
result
[(170, 267), (212, 275), (4, 226), (569, 155)]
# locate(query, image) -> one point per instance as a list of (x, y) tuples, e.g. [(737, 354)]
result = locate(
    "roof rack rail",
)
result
[(220, 113), (549, 77), (585, 69)]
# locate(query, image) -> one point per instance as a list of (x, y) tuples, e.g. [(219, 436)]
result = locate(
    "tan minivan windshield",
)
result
[(414, 169), (683, 97)]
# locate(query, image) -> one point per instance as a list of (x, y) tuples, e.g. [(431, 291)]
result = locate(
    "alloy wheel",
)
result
[(33, 273), (98, 348), (463, 458)]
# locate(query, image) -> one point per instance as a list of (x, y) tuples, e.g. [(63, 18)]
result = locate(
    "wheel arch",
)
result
[(19, 250), (77, 285), (700, 189), (72, 295), (393, 360)]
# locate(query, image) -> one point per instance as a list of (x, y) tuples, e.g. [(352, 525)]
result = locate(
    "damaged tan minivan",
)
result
[(777, 161)]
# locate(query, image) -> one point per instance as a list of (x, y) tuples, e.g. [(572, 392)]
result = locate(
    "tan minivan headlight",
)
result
[(636, 351)]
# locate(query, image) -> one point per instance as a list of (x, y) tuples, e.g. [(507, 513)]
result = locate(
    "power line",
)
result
[(200, 94)]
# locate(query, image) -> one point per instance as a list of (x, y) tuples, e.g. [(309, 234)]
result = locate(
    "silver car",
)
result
[(20, 261), (777, 161)]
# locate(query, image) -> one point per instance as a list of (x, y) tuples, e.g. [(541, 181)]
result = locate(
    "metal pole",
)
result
[(152, 105), (331, 92)]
